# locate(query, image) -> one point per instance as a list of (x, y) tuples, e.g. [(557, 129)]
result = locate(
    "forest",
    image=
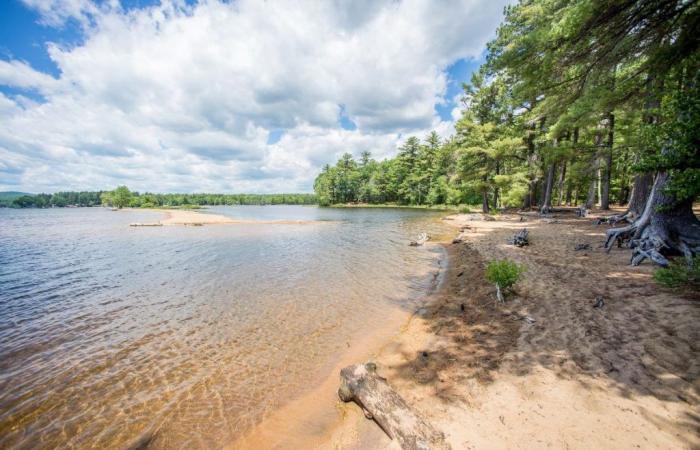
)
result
[(123, 197), (586, 103)]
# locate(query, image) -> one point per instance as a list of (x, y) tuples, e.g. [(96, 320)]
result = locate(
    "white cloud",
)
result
[(19, 74), (183, 98)]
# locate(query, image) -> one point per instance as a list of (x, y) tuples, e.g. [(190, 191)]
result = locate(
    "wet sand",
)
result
[(624, 376)]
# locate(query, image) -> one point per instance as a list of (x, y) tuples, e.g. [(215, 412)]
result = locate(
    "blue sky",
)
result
[(226, 97)]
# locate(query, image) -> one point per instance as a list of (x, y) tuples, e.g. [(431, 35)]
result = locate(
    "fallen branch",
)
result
[(361, 384)]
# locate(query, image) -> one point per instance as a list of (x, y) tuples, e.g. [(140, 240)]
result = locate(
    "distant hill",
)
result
[(11, 195)]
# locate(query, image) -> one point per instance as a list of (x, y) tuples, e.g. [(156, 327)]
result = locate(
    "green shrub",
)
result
[(679, 276), (504, 273)]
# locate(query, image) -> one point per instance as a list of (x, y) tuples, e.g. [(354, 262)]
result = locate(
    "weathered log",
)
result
[(520, 239), (361, 384), (139, 224)]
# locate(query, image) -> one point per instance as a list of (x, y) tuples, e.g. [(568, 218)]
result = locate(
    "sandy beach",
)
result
[(200, 218), (623, 376)]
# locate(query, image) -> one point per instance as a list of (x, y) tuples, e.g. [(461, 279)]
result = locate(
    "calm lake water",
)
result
[(184, 337)]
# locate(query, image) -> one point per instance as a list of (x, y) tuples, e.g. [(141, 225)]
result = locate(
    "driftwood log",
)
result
[(520, 239), (361, 384)]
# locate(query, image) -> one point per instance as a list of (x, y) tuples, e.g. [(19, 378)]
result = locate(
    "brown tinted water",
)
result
[(181, 337)]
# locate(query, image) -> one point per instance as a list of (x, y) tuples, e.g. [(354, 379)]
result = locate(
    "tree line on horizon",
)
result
[(123, 197), (584, 103)]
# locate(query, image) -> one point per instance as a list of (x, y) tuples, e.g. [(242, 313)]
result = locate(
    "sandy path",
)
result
[(624, 376)]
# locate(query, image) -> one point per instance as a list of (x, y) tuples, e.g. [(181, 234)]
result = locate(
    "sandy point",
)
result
[(197, 218)]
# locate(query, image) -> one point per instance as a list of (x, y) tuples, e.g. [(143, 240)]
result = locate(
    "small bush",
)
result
[(679, 276), (504, 273)]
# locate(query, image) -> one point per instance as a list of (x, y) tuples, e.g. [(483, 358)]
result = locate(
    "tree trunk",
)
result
[(598, 181), (607, 173), (665, 227), (547, 200), (485, 202), (640, 193), (360, 383), (495, 189), (590, 200), (531, 157), (560, 187), (534, 186), (526, 199)]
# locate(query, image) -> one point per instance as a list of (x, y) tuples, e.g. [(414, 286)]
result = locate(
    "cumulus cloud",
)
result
[(184, 97)]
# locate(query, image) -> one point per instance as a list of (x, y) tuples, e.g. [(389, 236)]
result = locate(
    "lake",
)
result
[(185, 337)]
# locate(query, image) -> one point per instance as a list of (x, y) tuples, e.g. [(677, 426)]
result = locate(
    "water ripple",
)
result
[(111, 336)]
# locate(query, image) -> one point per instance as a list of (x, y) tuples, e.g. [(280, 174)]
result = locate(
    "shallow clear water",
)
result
[(183, 337)]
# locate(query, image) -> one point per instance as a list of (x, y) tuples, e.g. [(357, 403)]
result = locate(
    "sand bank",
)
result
[(624, 376), (197, 218)]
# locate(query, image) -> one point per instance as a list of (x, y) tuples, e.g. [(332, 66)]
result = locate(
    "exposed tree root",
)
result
[(655, 241), (663, 229)]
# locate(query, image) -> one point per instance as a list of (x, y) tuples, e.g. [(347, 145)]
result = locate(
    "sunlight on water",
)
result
[(182, 337)]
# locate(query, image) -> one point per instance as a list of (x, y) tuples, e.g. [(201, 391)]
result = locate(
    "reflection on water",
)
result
[(180, 337)]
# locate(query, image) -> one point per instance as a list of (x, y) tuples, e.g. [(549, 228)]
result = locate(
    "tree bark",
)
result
[(531, 157), (495, 189), (361, 384), (547, 200), (485, 198), (560, 187), (607, 172), (640, 193), (590, 200), (595, 173)]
